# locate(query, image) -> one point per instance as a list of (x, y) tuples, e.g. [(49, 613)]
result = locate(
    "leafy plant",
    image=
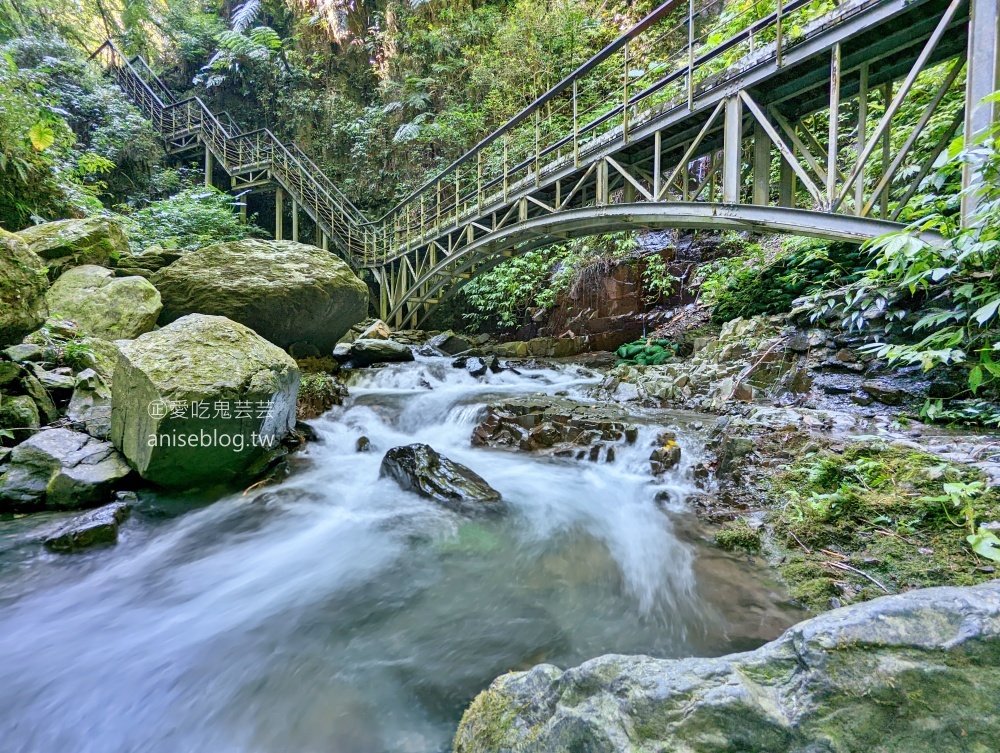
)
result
[(188, 220), (961, 495), (933, 305)]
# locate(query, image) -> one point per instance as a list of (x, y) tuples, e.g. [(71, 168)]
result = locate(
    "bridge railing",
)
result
[(241, 152), (677, 53)]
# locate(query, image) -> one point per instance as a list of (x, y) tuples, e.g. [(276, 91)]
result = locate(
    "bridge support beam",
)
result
[(295, 220), (761, 165), (983, 78), (732, 150), (209, 167), (279, 213)]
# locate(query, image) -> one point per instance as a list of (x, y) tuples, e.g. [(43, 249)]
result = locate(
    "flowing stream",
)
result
[(336, 613)]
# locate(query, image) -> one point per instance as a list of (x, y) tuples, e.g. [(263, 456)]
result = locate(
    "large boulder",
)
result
[(70, 243), (22, 289), (557, 426), (914, 672), (421, 469), (201, 400), (449, 343), (366, 352), (284, 291), (59, 469), (149, 260), (102, 305)]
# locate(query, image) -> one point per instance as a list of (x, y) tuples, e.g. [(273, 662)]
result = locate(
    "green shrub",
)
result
[(750, 287), (188, 220)]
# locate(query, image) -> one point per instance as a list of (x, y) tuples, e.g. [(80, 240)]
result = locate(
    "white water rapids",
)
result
[(335, 613)]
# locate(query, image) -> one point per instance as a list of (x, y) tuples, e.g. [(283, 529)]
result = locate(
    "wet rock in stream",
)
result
[(556, 426), (421, 469), (96, 528)]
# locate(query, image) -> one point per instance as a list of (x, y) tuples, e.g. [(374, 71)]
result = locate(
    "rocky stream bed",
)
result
[(411, 533)]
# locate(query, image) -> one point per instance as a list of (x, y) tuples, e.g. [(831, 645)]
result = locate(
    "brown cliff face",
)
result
[(611, 304)]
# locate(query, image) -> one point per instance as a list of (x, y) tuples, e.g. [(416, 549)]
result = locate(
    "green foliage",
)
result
[(68, 136), (657, 280), (188, 220), (880, 509), (739, 535), (502, 296), (961, 496), (749, 285), (933, 305)]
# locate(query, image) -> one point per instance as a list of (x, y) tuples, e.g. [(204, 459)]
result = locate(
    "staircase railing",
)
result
[(244, 151), (663, 64)]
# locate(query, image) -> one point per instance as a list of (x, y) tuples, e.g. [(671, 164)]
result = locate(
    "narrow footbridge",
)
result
[(688, 120)]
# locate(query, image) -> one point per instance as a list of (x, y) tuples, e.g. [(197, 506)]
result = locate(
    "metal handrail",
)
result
[(440, 203)]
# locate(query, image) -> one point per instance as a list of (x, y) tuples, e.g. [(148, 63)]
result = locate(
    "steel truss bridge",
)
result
[(673, 125)]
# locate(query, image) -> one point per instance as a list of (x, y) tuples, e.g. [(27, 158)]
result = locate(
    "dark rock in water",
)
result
[(307, 432), (97, 527), (364, 444), (884, 392), (553, 426), (476, 366), (367, 352), (666, 455), (913, 672), (59, 469), (449, 343), (421, 469)]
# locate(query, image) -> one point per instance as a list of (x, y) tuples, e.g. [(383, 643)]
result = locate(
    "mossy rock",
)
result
[(22, 289), (739, 535), (71, 243), (102, 305), (19, 415), (318, 393), (914, 672), (200, 400), (284, 291)]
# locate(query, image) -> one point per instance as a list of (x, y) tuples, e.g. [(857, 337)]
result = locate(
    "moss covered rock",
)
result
[(200, 400), (284, 291), (70, 243), (19, 415), (22, 289), (103, 305), (59, 469), (915, 672)]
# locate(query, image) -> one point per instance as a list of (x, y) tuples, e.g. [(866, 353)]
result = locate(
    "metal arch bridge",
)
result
[(674, 124)]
